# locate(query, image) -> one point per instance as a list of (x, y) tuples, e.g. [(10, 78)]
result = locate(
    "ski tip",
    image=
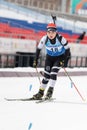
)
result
[(6, 99)]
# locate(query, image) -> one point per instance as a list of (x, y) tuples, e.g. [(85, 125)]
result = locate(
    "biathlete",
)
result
[(57, 52)]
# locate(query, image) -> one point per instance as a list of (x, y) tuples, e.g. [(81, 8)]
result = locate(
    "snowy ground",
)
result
[(67, 112)]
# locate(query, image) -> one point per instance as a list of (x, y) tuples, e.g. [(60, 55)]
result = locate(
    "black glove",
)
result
[(62, 60), (62, 63), (35, 63)]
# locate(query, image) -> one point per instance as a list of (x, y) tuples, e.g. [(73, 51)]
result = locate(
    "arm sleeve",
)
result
[(42, 42), (67, 48), (65, 43), (40, 46)]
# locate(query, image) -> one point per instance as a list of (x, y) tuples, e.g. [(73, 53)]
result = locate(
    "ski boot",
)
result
[(49, 93), (39, 95)]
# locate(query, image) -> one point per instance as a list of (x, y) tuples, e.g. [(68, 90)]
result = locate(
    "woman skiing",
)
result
[(57, 51)]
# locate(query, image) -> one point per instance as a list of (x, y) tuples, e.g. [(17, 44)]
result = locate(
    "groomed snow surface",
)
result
[(67, 112)]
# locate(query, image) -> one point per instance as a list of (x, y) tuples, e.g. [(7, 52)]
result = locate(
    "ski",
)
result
[(21, 99), (30, 99), (45, 100)]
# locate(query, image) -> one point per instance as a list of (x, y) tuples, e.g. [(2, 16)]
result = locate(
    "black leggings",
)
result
[(51, 69)]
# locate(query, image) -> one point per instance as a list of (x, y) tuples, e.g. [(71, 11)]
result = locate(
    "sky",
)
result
[(67, 112)]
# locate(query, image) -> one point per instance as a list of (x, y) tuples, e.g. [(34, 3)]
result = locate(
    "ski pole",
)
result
[(74, 84), (38, 75)]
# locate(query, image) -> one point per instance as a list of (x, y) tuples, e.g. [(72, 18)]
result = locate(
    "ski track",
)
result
[(67, 112)]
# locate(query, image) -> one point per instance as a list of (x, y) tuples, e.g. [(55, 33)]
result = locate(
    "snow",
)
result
[(67, 112)]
